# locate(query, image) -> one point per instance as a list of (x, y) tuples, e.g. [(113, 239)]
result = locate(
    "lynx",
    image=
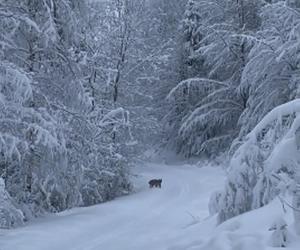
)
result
[(155, 183)]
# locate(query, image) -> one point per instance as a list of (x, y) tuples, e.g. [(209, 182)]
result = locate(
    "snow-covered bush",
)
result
[(280, 235), (266, 164), (296, 204), (214, 202), (10, 216)]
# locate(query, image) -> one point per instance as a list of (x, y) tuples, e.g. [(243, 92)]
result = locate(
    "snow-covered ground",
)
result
[(174, 217)]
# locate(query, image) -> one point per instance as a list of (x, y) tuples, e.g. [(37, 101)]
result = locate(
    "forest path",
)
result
[(151, 219)]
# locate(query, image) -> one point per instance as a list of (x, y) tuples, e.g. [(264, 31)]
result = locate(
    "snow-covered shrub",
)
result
[(265, 165), (10, 215), (280, 234), (296, 204), (214, 202)]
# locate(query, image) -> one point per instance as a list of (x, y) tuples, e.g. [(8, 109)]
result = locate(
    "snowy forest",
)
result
[(97, 97)]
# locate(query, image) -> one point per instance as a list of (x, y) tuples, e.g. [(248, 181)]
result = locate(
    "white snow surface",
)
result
[(174, 217)]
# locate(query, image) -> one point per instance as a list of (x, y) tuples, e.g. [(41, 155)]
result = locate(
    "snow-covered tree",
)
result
[(219, 36), (265, 165), (271, 76), (56, 137), (207, 112)]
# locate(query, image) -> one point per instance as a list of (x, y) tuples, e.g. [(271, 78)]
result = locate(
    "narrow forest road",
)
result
[(151, 219)]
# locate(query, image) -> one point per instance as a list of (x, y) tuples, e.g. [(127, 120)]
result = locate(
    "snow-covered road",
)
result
[(151, 219)]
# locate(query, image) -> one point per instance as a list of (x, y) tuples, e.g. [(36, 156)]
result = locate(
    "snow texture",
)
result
[(174, 217), (149, 219)]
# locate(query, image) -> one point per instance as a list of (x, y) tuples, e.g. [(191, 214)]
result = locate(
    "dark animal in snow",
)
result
[(155, 183)]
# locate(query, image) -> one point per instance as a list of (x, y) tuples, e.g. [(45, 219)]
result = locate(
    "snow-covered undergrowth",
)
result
[(9, 214), (265, 166)]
